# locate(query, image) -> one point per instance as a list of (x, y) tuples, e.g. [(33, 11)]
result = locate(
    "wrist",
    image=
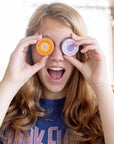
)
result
[(100, 85), (10, 86), (102, 88)]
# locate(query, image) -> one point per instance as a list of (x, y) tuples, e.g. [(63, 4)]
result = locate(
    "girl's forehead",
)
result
[(54, 29), (49, 24), (57, 35)]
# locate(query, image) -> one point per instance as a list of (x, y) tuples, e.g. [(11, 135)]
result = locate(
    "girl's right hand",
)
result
[(19, 71)]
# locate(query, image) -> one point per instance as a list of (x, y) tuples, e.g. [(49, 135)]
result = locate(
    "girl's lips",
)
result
[(55, 73)]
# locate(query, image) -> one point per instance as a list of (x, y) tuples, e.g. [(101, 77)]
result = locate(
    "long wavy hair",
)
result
[(80, 110)]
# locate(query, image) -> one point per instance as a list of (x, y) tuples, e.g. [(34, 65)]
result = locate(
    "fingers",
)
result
[(90, 47), (23, 46), (84, 40), (36, 36), (25, 42), (89, 44)]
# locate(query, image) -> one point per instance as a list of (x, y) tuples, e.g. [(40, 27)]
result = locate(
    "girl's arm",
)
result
[(7, 92), (17, 73), (95, 72), (105, 98)]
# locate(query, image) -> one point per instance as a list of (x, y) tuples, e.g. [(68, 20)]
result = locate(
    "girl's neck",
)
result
[(53, 95)]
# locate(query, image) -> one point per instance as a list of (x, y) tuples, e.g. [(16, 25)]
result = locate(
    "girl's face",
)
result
[(57, 71)]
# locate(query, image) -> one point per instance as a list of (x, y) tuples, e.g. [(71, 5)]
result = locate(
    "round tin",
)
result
[(68, 47), (45, 46)]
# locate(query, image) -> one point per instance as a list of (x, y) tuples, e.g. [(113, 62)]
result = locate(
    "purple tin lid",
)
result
[(69, 48)]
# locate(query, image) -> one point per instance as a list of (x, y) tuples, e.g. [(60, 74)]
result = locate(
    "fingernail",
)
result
[(75, 36), (34, 41), (36, 33), (39, 35), (82, 50)]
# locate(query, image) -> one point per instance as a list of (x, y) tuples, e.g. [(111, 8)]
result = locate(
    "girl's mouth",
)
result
[(56, 73)]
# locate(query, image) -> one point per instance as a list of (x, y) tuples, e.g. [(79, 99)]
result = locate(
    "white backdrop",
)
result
[(14, 16)]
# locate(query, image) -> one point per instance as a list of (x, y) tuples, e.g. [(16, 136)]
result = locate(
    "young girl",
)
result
[(56, 99)]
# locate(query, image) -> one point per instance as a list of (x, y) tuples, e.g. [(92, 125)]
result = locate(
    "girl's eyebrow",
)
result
[(47, 36)]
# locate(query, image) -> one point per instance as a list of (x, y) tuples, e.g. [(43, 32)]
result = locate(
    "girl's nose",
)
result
[(57, 54)]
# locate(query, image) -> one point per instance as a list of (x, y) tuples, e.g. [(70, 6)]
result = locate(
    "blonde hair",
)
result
[(80, 109)]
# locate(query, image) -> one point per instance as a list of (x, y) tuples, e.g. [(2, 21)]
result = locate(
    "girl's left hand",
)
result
[(94, 68)]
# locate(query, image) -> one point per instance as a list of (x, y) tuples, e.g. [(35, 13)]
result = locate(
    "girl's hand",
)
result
[(18, 70), (94, 68)]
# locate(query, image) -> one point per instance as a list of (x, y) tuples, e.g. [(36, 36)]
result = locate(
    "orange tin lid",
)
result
[(45, 46)]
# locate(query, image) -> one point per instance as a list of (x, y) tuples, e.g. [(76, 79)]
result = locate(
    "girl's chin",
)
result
[(55, 91)]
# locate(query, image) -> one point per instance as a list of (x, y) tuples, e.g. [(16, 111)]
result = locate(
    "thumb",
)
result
[(37, 66), (74, 62)]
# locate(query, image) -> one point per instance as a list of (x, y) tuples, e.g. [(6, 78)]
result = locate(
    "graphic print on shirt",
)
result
[(50, 130), (37, 136)]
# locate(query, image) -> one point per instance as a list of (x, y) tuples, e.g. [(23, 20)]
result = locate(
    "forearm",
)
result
[(105, 98), (7, 92)]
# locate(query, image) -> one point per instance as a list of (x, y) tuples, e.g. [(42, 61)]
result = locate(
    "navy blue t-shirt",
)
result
[(50, 130)]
